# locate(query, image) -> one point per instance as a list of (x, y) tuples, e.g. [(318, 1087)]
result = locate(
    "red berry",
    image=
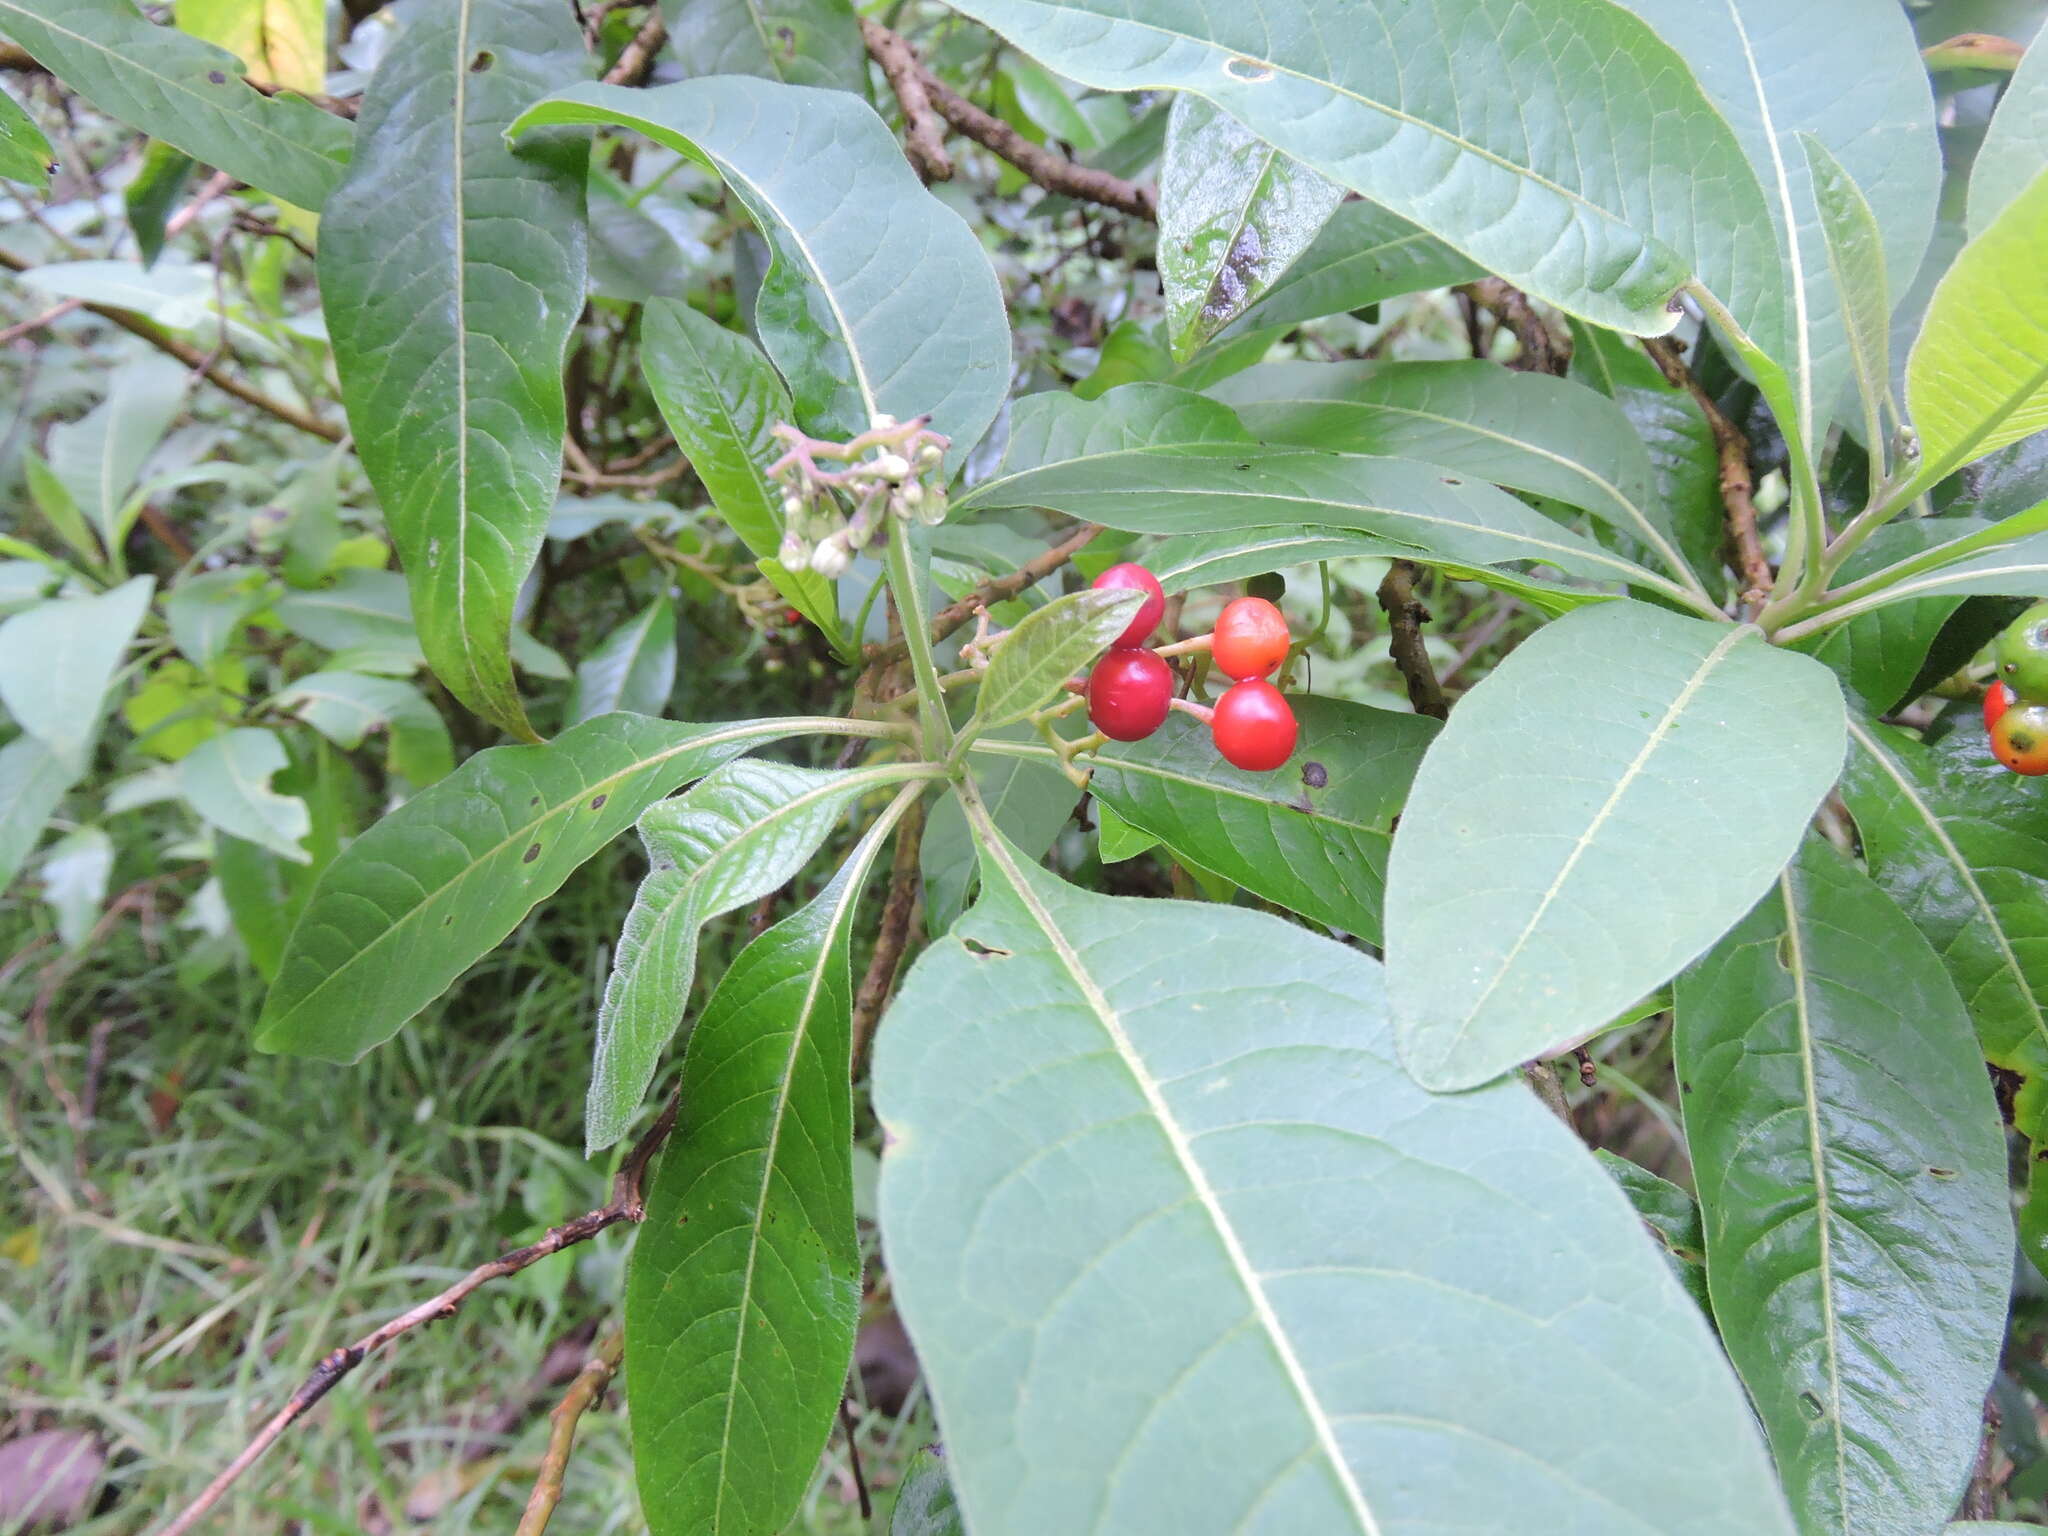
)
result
[(1251, 638), (1254, 727), (2019, 739), (1998, 698), (1137, 579), (1129, 693)]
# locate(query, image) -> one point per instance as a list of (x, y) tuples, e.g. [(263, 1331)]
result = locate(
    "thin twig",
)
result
[(996, 589), (583, 1394), (1543, 1078), (1405, 618), (1052, 171), (627, 1204), (1542, 352), (1731, 448), (924, 137), (860, 1478), (636, 59), (894, 936), (49, 316)]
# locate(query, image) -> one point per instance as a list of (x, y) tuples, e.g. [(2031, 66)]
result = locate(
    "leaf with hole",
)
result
[(1595, 777), (1852, 1184)]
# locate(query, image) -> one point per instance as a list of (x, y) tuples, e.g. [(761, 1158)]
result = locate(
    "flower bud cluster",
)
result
[(836, 495)]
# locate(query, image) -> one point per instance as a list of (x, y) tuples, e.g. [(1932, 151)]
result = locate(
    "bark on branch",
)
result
[(1738, 485)]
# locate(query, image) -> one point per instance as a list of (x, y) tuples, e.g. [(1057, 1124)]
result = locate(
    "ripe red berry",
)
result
[(1254, 727), (2019, 739), (1251, 638), (1998, 698), (1129, 693), (1137, 579)]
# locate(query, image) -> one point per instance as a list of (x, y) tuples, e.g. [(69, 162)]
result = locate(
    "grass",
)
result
[(254, 1212)]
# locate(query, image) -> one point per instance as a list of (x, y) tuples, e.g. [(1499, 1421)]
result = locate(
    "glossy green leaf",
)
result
[(33, 781), (184, 92), (1853, 1188), (1960, 845), (346, 707), (60, 508), (802, 42), (927, 1505), (152, 196), (2015, 147), (1312, 835), (1608, 182), (75, 873), (24, 152), (1364, 254), (1234, 213), (57, 658), (1854, 248), (205, 609), (1087, 1097), (1184, 561), (1566, 846), (1032, 663), (878, 298), (1672, 1216), (427, 891), (1116, 839), (633, 667), (1777, 72), (745, 1285), (452, 272), (366, 610), (1977, 378), (1527, 431), (226, 779), (740, 833), (720, 396), (100, 456)]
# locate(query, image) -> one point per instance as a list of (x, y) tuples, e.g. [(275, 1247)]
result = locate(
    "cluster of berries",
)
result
[(2016, 704), (1130, 691)]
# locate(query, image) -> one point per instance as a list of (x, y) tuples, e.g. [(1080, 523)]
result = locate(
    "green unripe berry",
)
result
[(2022, 654)]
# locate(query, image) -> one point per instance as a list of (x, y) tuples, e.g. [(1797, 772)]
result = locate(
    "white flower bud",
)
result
[(792, 505), (932, 510), (930, 456), (794, 554), (831, 558), (892, 466), (911, 495), (881, 422)]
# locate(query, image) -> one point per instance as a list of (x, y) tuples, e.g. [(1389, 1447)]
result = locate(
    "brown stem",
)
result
[(1405, 617), (1542, 352), (627, 1204), (1055, 172), (636, 59), (996, 589), (211, 368), (860, 1478), (924, 136), (1746, 552), (1548, 1089), (563, 1418), (894, 936)]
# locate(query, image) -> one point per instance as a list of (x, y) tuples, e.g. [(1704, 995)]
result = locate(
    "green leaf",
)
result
[(345, 707), (744, 1290), (1029, 799), (280, 41), (1623, 180), (452, 270), (720, 396), (1879, 655), (99, 456), (1672, 1216), (1777, 72), (802, 42), (1192, 560), (184, 92), (1086, 1098), (427, 891), (1116, 839), (1234, 213), (33, 782), (1852, 1181), (742, 832), (1567, 846), (154, 192), (205, 609), (1032, 663), (2016, 145), (633, 667), (1527, 431), (75, 873), (362, 610), (878, 297), (24, 152), (927, 1505), (1978, 376), (1960, 845), (1319, 849), (59, 508), (226, 779), (1364, 254), (57, 658), (1855, 261)]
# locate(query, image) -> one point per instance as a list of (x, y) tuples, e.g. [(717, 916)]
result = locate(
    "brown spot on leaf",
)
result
[(531, 854)]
